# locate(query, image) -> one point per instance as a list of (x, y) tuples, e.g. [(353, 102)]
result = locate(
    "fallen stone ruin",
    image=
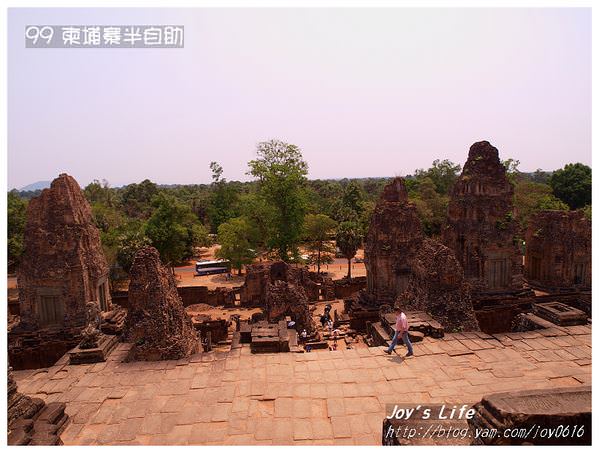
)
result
[(95, 346), (265, 337), (113, 321), (281, 290), (192, 295), (481, 229), (527, 414), (287, 299), (62, 268), (528, 409), (157, 323), (558, 251), (345, 287), (560, 314), (30, 420), (259, 276), (404, 265), (518, 313), (212, 331)]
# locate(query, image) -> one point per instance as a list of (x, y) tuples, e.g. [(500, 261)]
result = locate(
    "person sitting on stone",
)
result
[(401, 330)]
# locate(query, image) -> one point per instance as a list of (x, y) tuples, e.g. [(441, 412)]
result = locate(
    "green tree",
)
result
[(236, 238), (572, 184), (540, 176), (258, 213), (174, 229), (430, 204), (349, 239), (367, 215), (136, 199), (98, 192), (106, 217), (281, 173), (351, 203), (443, 174), (16, 218), (511, 170), (223, 198), (318, 230), (128, 243), (531, 197)]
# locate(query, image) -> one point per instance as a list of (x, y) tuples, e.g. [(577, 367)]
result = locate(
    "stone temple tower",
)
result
[(480, 226), (62, 268)]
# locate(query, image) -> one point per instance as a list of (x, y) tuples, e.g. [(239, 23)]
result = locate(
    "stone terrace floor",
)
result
[(324, 397)]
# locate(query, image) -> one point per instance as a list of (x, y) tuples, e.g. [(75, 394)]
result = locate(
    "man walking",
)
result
[(401, 330)]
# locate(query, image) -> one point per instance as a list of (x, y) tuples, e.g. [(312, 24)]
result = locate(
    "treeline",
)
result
[(281, 211)]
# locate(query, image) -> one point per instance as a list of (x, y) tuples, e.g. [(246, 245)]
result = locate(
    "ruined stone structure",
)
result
[(402, 264), (326, 285), (525, 410), (252, 292), (345, 287), (31, 421), (91, 333), (437, 286), (191, 295), (217, 329), (258, 276), (94, 346), (558, 251), (281, 290), (288, 299), (156, 323), (265, 337), (220, 296), (392, 241), (480, 226), (62, 268)]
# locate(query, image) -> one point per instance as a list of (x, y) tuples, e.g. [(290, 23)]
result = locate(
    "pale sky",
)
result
[(363, 92)]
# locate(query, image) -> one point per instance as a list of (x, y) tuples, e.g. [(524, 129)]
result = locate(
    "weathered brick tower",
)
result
[(480, 226)]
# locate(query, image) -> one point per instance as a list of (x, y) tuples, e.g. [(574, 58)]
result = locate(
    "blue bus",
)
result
[(213, 267)]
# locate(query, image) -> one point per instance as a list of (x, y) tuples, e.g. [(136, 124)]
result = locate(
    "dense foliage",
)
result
[(319, 229), (281, 173), (349, 239), (236, 238), (16, 208), (572, 185), (281, 210)]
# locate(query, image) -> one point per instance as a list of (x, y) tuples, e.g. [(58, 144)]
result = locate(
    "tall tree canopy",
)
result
[(237, 237), (16, 217), (318, 231), (349, 239), (531, 197), (174, 229), (443, 174), (281, 173), (223, 200), (431, 205), (100, 192), (137, 199), (572, 184), (352, 203)]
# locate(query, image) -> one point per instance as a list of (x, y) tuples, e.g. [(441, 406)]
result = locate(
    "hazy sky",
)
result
[(363, 92)]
